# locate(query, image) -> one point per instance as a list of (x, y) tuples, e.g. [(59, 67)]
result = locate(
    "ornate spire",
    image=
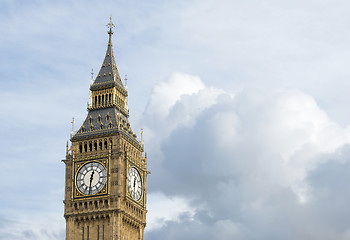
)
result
[(108, 75)]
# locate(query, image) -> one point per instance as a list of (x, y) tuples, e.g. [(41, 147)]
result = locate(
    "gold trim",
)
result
[(77, 166), (142, 175)]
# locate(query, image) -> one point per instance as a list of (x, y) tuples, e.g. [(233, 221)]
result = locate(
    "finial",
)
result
[(92, 77), (126, 82), (72, 129), (142, 136), (110, 25)]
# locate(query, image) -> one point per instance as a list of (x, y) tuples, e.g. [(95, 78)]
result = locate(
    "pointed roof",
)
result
[(108, 75), (109, 120)]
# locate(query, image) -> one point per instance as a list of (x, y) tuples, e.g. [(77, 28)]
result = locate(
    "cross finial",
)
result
[(110, 25)]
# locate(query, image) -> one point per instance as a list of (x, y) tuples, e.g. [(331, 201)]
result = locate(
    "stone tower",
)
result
[(106, 171)]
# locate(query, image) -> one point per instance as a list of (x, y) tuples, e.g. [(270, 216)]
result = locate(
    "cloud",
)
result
[(46, 226), (246, 159), (166, 209)]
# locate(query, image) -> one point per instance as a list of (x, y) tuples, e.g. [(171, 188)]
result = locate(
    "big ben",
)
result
[(106, 168)]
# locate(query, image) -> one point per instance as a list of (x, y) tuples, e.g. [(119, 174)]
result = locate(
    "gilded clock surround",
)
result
[(141, 200), (79, 164), (106, 137)]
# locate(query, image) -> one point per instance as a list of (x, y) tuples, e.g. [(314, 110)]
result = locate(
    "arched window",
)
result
[(95, 103), (105, 144), (80, 148), (95, 145), (101, 126), (103, 99), (110, 125), (100, 145), (90, 146), (85, 147), (99, 100)]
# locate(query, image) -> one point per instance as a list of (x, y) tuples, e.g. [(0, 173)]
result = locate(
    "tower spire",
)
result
[(108, 74)]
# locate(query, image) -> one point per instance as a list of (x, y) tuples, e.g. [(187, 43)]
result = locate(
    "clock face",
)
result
[(91, 178), (134, 184)]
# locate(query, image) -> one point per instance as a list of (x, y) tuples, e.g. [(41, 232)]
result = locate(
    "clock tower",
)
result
[(106, 170)]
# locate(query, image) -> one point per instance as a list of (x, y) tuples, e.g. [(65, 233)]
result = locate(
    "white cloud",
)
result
[(163, 209), (240, 156)]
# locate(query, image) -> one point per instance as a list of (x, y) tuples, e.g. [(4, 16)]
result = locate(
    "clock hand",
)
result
[(91, 177)]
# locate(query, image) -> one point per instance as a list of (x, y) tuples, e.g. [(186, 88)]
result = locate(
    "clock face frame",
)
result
[(91, 178), (134, 184)]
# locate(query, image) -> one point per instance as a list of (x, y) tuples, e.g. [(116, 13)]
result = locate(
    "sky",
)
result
[(244, 105)]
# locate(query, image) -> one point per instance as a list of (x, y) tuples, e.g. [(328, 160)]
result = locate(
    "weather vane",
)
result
[(110, 25)]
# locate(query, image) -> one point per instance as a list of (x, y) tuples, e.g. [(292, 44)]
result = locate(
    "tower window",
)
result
[(105, 144), (80, 148), (90, 119), (85, 147), (110, 125), (90, 146), (91, 128), (99, 118), (100, 143), (101, 126), (95, 146)]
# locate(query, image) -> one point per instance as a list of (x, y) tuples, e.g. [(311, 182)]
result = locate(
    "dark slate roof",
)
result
[(113, 122), (108, 75)]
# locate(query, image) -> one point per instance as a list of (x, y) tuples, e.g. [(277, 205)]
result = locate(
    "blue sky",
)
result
[(244, 106)]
